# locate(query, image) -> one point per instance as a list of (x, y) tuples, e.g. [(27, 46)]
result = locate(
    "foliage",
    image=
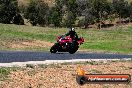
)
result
[(8, 9), (130, 11), (71, 12), (18, 19), (55, 13), (65, 13), (121, 8), (37, 12)]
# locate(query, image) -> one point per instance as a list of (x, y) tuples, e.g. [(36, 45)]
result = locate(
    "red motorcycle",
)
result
[(66, 44)]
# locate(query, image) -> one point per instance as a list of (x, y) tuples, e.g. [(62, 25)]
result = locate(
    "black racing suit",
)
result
[(73, 35)]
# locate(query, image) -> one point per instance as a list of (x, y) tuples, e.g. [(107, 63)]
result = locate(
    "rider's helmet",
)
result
[(72, 29)]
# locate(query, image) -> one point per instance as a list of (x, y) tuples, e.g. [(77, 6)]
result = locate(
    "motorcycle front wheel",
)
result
[(53, 49)]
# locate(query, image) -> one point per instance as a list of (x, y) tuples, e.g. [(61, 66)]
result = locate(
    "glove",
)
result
[(62, 36)]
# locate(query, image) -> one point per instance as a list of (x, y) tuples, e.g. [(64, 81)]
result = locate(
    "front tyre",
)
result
[(53, 49)]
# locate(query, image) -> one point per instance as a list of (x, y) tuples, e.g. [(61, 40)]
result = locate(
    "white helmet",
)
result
[(72, 29)]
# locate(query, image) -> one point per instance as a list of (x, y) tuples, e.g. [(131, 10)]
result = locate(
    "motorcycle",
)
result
[(66, 44)]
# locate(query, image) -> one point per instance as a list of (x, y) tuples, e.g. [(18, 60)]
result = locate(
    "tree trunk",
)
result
[(100, 20)]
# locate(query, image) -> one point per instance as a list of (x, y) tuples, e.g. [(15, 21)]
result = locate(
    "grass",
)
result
[(3, 74), (42, 66), (94, 71), (109, 40), (90, 62), (5, 71), (30, 66)]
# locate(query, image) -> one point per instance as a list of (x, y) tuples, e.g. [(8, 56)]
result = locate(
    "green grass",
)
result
[(118, 40), (30, 66), (109, 40), (5, 71)]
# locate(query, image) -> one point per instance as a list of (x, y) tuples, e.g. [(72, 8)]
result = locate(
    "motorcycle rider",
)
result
[(72, 35)]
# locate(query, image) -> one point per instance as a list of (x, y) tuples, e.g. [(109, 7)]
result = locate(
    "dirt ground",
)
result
[(64, 75), (33, 43)]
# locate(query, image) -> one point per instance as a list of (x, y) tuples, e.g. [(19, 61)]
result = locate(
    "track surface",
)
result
[(23, 56)]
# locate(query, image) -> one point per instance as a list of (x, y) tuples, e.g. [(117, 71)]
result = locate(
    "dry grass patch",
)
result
[(33, 43)]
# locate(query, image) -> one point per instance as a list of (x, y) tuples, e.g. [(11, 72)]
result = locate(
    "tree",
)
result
[(130, 11), (82, 5), (100, 10), (89, 17), (8, 9), (99, 7), (36, 12), (70, 19), (55, 14), (71, 12), (121, 8), (18, 19), (94, 11)]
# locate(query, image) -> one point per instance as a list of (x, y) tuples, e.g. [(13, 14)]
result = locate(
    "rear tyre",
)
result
[(72, 51), (53, 49)]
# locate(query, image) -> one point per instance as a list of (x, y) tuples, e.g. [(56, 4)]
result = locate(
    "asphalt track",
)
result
[(24, 56)]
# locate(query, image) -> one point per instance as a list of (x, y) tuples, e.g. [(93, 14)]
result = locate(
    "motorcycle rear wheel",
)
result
[(72, 51)]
